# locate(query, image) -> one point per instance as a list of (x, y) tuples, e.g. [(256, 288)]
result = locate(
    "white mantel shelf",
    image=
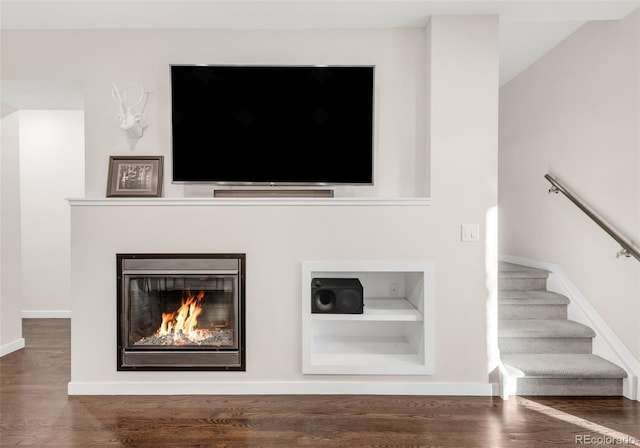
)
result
[(211, 202)]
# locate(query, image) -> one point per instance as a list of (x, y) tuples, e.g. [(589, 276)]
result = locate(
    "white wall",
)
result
[(98, 57), (462, 120), (10, 250), (51, 170), (575, 113), (463, 124)]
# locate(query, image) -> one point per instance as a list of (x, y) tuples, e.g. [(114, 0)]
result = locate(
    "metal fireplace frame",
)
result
[(182, 358)]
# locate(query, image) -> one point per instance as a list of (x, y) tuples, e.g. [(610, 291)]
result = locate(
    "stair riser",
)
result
[(569, 386), (545, 345), (532, 311), (522, 284)]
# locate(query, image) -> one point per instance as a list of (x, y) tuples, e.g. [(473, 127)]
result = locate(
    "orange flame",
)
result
[(183, 322)]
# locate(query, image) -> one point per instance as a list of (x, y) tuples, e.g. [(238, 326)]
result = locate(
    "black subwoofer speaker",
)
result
[(337, 296)]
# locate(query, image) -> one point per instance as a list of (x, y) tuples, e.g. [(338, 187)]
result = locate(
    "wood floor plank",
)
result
[(36, 411)]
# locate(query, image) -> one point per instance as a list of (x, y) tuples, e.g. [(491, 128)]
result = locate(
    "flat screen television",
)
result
[(272, 125)]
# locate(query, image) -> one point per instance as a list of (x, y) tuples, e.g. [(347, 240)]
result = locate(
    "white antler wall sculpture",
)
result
[(130, 115)]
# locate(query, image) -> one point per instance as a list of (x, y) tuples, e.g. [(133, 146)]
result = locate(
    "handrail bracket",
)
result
[(623, 253)]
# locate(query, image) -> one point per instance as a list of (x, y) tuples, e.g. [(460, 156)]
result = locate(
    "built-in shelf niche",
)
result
[(393, 336)]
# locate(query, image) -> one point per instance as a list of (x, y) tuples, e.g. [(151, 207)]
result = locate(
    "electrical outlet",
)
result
[(393, 289)]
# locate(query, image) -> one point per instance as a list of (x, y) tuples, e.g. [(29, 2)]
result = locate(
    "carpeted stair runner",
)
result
[(545, 352)]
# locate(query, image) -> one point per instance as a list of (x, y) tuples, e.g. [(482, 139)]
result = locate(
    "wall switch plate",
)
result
[(470, 232)]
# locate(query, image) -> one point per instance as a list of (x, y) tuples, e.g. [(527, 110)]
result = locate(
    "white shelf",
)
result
[(361, 345), (393, 336), (379, 309), (365, 355), (210, 202)]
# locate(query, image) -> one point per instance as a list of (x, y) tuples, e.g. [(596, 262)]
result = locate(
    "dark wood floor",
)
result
[(36, 411)]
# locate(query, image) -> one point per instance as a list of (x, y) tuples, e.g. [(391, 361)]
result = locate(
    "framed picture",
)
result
[(135, 176)]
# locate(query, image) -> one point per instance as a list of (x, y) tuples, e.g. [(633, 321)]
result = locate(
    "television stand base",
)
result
[(272, 193)]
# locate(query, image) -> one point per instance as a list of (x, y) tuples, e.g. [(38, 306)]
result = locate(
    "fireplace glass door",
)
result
[(181, 312)]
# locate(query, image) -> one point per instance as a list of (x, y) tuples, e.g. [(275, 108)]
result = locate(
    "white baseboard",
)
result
[(12, 347), (279, 388), (606, 343), (46, 314)]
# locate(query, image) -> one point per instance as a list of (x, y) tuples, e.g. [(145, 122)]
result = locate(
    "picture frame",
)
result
[(135, 176)]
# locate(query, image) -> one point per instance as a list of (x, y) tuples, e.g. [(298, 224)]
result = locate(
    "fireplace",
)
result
[(181, 311)]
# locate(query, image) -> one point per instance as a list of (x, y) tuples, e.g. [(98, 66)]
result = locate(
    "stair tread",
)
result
[(543, 328), (517, 297), (511, 270), (560, 366)]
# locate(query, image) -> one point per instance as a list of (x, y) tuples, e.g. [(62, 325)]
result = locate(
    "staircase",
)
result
[(544, 351)]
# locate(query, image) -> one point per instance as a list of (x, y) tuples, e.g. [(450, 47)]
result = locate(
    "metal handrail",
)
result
[(628, 249)]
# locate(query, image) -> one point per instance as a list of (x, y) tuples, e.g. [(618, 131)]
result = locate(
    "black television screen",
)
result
[(272, 125)]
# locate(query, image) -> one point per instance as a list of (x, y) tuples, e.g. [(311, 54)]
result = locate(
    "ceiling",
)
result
[(528, 29)]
